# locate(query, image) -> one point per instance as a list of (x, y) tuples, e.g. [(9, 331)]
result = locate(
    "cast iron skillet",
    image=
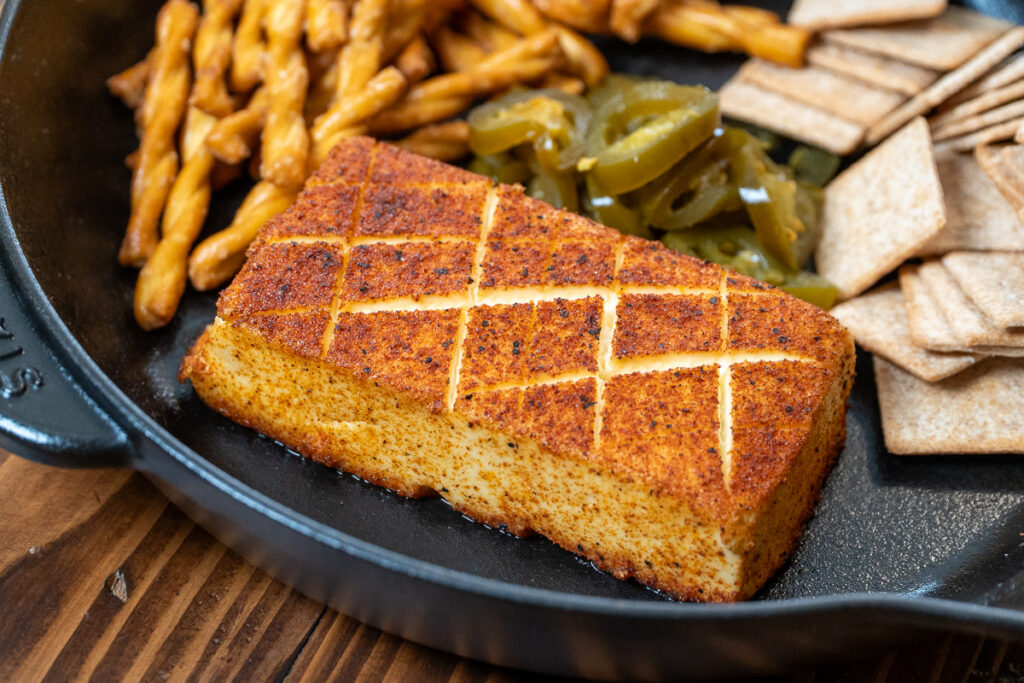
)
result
[(900, 548)]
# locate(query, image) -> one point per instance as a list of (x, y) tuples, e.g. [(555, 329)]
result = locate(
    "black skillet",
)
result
[(900, 548)]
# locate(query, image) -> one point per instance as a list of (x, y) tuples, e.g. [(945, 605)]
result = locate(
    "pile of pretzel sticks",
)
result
[(273, 85)]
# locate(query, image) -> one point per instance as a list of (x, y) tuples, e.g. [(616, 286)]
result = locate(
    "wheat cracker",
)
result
[(986, 136), (878, 321), (948, 85), (1005, 166), (994, 281), (1006, 72), (972, 124), (978, 216), (928, 326), (880, 211), (943, 43), (821, 14), (839, 95), (882, 72), (976, 411), (966, 319), (748, 102), (980, 104)]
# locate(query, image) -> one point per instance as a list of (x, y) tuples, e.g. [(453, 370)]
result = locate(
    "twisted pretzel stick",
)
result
[(415, 61), (129, 86), (498, 70), (234, 136), (361, 58), (383, 90), (406, 20), (164, 105), (488, 34), (249, 49), (443, 141), (162, 280), (211, 56), (442, 97), (584, 60), (217, 258), (518, 15), (456, 51), (326, 24), (285, 138)]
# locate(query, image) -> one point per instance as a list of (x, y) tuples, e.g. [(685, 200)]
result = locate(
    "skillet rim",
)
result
[(118, 407)]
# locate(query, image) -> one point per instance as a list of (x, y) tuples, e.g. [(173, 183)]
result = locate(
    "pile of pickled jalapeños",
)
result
[(650, 158)]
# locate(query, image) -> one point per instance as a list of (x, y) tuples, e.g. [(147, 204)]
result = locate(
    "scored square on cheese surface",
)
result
[(667, 419)]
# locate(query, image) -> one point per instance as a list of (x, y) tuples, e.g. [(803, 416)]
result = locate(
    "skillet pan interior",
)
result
[(945, 527)]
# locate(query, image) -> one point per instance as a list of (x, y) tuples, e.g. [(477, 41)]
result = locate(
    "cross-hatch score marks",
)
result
[(608, 366)]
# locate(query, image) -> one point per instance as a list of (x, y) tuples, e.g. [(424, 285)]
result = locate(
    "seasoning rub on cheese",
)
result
[(432, 332)]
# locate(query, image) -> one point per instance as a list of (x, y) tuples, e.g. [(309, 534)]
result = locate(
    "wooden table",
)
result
[(102, 578)]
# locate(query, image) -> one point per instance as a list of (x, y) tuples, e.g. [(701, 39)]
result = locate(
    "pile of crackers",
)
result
[(948, 331), (878, 64)]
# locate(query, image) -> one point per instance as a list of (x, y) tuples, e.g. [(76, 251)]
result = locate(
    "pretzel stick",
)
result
[(408, 115), (361, 58), (164, 103), (455, 51), (217, 258), (129, 86), (162, 280), (489, 35), (584, 60), (481, 81), (285, 140), (408, 19), (321, 90), (444, 141), (564, 82), (249, 49), (383, 90), (497, 71), (628, 16), (518, 15), (713, 28), (211, 56), (234, 136), (415, 61), (326, 24)]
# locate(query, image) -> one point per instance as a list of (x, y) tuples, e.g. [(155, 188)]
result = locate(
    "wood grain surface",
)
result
[(102, 578)]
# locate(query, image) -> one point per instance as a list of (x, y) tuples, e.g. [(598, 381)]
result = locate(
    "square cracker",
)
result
[(749, 102), (972, 124), (993, 280), (943, 43), (986, 136), (978, 217), (953, 82), (1005, 166), (930, 323), (1008, 71), (880, 211), (845, 97), (966, 319), (882, 72), (878, 321), (975, 411), (928, 326), (982, 103), (819, 14)]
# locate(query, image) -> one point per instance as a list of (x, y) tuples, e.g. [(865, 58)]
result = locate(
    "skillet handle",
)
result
[(45, 415)]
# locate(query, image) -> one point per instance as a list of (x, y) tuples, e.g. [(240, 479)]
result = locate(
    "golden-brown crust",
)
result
[(700, 387)]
